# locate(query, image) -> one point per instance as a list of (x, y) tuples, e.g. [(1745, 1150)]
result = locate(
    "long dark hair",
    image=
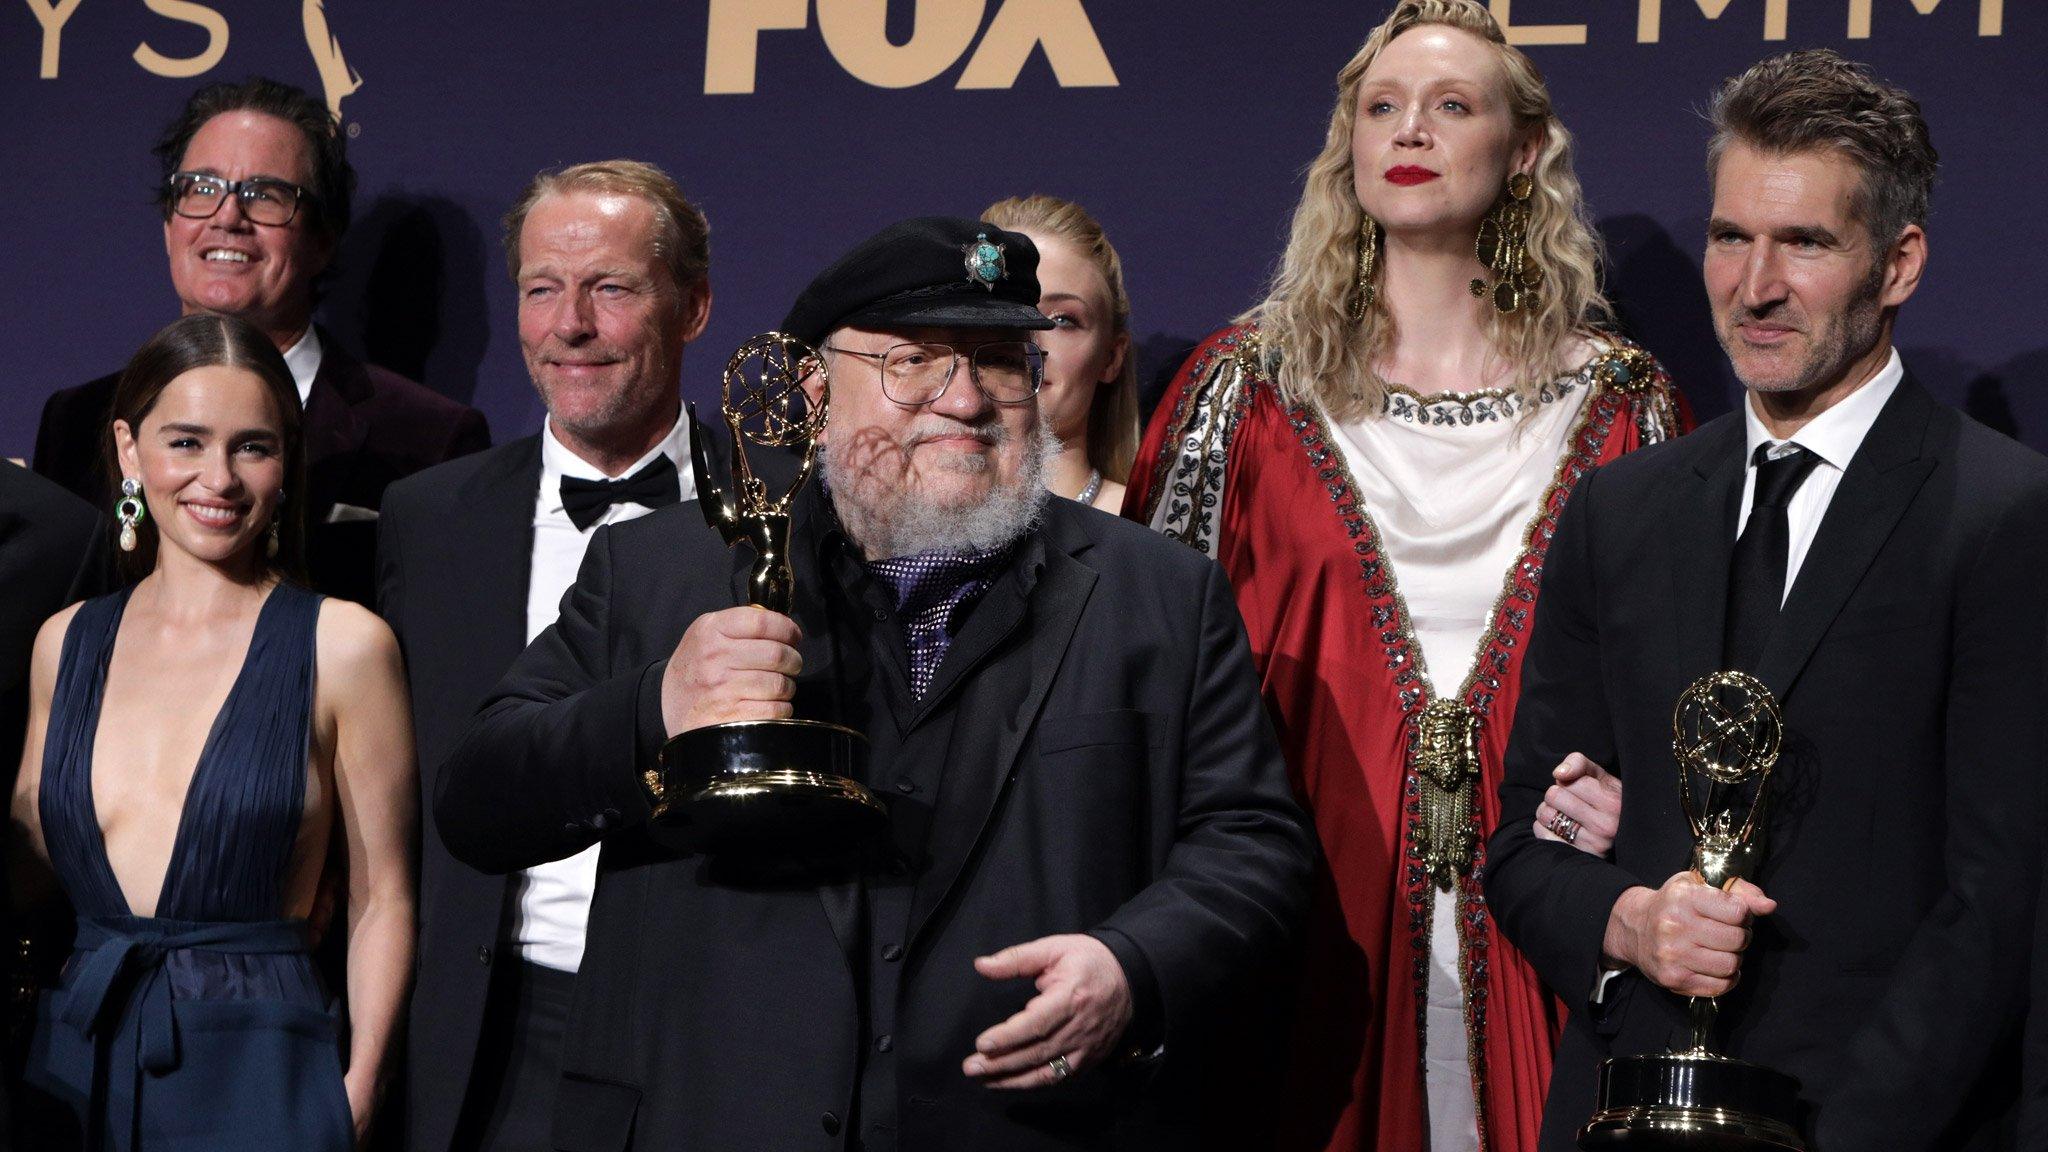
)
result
[(205, 340)]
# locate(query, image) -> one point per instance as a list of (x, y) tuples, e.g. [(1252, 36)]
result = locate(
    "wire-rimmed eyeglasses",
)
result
[(1006, 371)]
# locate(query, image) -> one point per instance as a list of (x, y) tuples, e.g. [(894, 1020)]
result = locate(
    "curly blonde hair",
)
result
[(1326, 356), (1113, 414)]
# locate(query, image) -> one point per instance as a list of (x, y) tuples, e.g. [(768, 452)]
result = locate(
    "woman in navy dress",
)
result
[(201, 745)]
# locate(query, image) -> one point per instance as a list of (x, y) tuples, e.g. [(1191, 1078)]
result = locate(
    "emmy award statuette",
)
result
[(763, 784), (1725, 730)]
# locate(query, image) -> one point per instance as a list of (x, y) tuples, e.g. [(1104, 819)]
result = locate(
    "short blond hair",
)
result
[(1113, 414), (682, 237)]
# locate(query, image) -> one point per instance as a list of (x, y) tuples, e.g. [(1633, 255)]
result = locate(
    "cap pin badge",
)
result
[(986, 263)]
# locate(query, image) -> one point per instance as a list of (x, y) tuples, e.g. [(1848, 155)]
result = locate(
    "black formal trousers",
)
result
[(364, 427), (1109, 770), (1904, 830)]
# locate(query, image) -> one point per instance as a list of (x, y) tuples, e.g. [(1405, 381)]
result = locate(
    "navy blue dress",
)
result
[(204, 1026)]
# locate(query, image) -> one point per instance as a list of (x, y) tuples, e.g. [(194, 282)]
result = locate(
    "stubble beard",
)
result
[(888, 517), (1844, 338)]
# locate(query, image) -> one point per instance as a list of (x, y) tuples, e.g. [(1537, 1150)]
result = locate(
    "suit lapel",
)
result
[(972, 787), (1701, 543), (332, 427), (1883, 477), (492, 533)]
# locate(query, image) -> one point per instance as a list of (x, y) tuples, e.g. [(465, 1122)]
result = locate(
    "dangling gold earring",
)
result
[(1503, 247), (1366, 290), (129, 510)]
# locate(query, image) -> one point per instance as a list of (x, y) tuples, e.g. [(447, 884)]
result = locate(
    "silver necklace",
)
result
[(1092, 489)]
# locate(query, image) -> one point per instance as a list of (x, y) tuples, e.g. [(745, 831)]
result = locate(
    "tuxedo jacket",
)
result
[(364, 428), (1108, 769), (1903, 827), (454, 562)]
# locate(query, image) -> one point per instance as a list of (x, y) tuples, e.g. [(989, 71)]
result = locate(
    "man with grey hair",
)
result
[(1874, 559), (1089, 837), (612, 266)]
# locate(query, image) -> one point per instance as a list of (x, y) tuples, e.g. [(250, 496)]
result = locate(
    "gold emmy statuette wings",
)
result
[(336, 77)]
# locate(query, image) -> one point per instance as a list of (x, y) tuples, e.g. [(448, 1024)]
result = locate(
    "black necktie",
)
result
[(655, 486), (1756, 578)]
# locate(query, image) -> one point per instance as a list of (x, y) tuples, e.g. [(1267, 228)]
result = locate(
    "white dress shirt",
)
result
[(303, 358), (1834, 436), (553, 899)]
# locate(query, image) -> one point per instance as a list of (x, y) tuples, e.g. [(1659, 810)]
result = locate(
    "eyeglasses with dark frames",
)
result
[(1006, 371), (264, 199)]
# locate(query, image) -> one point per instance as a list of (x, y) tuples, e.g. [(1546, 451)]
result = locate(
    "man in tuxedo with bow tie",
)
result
[(612, 268), (1875, 559)]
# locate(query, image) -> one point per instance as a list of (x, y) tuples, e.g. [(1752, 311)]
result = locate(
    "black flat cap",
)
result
[(932, 272)]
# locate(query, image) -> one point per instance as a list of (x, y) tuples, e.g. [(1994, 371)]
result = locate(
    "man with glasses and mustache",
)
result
[(255, 191), (1090, 838)]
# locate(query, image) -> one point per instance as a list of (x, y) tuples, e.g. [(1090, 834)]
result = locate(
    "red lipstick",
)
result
[(1409, 174)]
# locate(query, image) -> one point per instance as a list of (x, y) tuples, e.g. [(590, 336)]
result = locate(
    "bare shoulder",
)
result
[(50, 645), (353, 639)]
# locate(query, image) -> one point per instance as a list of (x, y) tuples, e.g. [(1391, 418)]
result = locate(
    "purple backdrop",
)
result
[(1191, 158)]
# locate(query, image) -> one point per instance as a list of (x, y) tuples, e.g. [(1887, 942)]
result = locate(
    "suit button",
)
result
[(884, 1043), (483, 956), (892, 952), (831, 1124), (601, 821), (905, 787)]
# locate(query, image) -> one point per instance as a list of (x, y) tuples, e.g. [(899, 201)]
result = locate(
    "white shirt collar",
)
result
[(1835, 434), (557, 461), (303, 358)]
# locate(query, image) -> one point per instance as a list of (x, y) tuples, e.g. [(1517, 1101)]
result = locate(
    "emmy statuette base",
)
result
[(1698, 1102), (766, 785)]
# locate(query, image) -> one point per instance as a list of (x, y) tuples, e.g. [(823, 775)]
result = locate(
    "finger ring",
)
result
[(1550, 825), (1567, 829), (1060, 1068)]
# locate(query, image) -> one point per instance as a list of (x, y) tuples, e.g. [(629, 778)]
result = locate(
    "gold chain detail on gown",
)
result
[(1447, 767)]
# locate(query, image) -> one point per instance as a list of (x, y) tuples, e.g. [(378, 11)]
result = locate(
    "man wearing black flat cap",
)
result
[(1090, 837)]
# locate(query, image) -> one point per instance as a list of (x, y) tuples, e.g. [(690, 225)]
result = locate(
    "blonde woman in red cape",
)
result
[(1377, 453)]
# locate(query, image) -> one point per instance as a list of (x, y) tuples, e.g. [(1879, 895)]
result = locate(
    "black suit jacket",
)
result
[(364, 427), (454, 561), (52, 553), (1110, 770), (1904, 829), (454, 554)]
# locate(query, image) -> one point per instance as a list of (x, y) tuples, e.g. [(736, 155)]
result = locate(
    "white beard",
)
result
[(888, 519)]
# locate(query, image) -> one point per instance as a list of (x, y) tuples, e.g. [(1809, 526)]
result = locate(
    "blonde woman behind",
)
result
[(1090, 397), (1377, 453)]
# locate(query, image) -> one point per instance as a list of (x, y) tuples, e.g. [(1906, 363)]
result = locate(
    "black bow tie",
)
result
[(655, 486)]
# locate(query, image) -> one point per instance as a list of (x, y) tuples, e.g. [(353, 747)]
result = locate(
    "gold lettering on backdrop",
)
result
[(1990, 16), (337, 79), (185, 12), (732, 42), (52, 18), (1536, 34), (857, 33), (1071, 46), (1650, 17)]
